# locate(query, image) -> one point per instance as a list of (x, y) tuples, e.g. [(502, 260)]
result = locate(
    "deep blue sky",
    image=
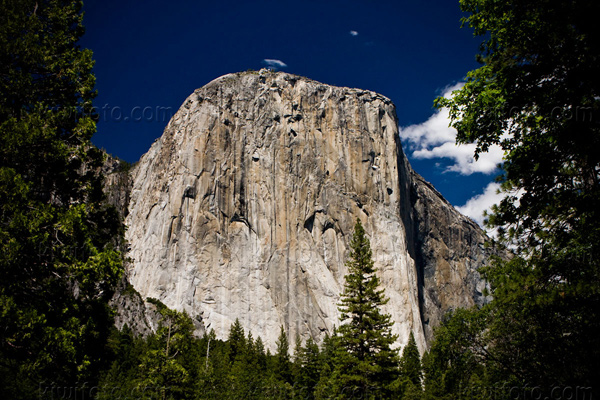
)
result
[(154, 54)]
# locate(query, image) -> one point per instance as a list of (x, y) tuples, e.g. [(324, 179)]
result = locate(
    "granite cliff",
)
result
[(245, 206)]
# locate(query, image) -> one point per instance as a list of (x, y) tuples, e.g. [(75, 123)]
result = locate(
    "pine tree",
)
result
[(283, 365), (410, 362), (296, 361), (244, 375), (330, 350), (261, 357), (368, 365), (297, 351), (307, 370), (123, 350), (236, 341), (411, 372)]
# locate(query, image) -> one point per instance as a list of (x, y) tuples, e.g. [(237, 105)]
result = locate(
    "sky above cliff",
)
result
[(151, 55)]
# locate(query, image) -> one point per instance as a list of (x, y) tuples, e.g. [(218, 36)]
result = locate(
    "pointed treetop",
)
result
[(410, 363)]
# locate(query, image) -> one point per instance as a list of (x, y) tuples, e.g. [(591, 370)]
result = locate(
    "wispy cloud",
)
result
[(275, 64), (475, 206), (353, 33), (434, 139)]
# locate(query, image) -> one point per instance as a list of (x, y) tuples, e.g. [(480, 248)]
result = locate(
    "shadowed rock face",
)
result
[(245, 207), (449, 249)]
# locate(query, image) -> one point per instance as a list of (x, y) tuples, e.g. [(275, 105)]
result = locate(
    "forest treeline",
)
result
[(173, 364), (61, 244), (357, 361)]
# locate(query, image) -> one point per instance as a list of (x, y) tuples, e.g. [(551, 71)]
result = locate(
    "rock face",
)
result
[(245, 207), (117, 183), (139, 315), (449, 248)]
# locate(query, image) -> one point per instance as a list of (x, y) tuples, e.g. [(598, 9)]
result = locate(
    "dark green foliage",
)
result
[(124, 351), (409, 382), (166, 365), (261, 356), (58, 259), (236, 341), (163, 366), (412, 391), (308, 370), (214, 367), (173, 364), (537, 94), (283, 365), (296, 358), (366, 366), (410, 362), (327, 363), (456, 354)]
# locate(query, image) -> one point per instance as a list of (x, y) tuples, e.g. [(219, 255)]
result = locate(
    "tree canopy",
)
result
[(58, 255), (537, 95)]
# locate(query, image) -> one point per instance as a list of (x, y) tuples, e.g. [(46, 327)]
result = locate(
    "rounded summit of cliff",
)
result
[(266, 79)]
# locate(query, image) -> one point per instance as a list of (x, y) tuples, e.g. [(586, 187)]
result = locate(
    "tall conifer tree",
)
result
[(367, 365), (410, 362), (308, 370), (283, 365), (236, 341)]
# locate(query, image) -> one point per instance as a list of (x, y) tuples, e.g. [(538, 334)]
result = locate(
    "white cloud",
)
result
[(476, 205), (272, 63), (353, 33), (462, 156), (435, 139)]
